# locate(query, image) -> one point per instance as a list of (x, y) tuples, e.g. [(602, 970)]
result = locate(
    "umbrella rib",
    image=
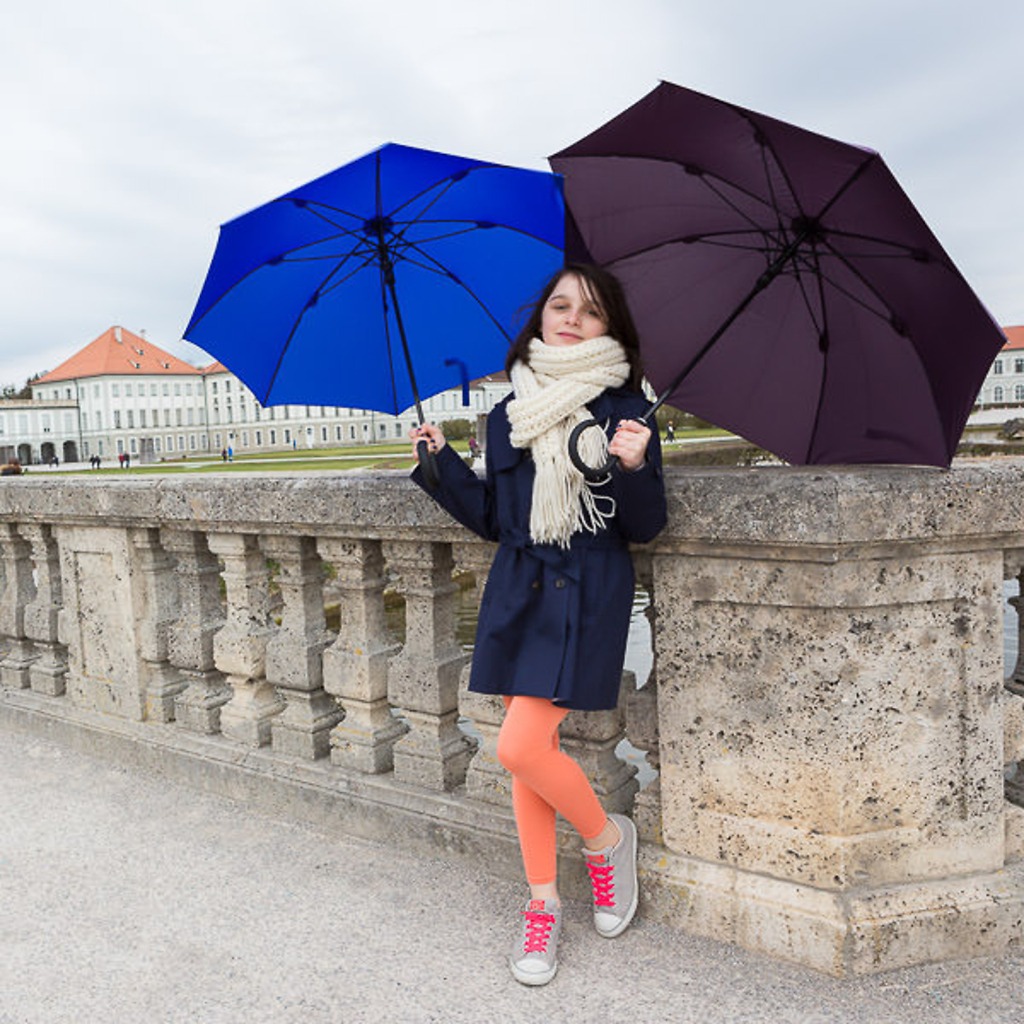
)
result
[(282, 258), (771, 184), (478, 225), (288, 340), (441, 269)]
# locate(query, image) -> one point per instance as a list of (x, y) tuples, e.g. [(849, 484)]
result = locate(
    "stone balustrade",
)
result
[(835, 748)]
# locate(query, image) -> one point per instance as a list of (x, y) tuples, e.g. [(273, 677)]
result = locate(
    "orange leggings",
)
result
[(545, 781)]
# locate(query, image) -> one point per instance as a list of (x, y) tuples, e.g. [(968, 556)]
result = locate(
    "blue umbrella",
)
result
[(399, 274)]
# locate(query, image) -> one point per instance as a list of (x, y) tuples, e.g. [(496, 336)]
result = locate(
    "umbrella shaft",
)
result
[(389, 281)]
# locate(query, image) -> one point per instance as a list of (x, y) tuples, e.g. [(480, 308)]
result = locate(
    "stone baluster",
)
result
[(294, 652), (239, 647), (190, 637), (355, 666), (162, 682), (18, 593), (47, 673), (590, 738), (1015, 569), (1013, 696), (642, 715), (486, 778), (424, 678)]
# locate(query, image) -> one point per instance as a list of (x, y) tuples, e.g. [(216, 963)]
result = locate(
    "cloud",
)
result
[(138, 129)]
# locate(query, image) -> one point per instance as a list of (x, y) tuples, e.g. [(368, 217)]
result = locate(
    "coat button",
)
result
[(559, 584), (535, 584)]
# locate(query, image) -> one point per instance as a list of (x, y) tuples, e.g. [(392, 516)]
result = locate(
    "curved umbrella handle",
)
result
[(592, 473), (428, 463)]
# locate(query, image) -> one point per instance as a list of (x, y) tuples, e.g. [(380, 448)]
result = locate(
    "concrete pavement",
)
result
[(126, 897)]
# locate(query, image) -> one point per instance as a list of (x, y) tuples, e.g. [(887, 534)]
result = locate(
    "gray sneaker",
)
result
[(613, 879), (533, 960)]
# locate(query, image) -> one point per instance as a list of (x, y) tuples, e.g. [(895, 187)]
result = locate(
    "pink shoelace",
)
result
[(538, 931), (602, 880)]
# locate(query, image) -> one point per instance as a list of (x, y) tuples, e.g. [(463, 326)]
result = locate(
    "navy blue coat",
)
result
[(552, 622)]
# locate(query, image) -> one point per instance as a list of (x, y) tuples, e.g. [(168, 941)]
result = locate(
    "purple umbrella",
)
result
[(783, 284)]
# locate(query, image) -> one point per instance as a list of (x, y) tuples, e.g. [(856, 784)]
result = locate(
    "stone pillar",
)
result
[(294, 652), (162, 682), (239, 647), (831, 738), (424, 678), (486, 778), (46, 674), (19, 592), (355, 666), (190, 637)]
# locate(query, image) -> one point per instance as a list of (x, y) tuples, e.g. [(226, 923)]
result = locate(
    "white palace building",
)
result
[(121, 394)]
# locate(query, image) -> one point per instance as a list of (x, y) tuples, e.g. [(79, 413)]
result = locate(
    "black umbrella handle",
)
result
[(591, 473), (428, 464)]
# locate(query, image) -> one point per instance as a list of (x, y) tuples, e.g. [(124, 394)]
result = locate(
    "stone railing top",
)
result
[(976, 503)]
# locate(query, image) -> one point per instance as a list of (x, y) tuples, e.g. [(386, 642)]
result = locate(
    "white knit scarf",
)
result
[(551, 394)]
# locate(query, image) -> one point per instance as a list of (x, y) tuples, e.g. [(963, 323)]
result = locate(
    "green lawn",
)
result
[(303, 460)]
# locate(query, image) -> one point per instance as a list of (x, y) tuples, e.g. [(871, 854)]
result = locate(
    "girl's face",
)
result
[(569, 316)]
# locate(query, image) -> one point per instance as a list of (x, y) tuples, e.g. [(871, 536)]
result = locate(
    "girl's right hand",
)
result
[(429, 433)]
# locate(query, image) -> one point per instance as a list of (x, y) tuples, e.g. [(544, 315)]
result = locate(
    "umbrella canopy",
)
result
[(313, 297), (783, 284)]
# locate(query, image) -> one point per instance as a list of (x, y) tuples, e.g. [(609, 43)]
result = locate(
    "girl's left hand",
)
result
[(630, 444)]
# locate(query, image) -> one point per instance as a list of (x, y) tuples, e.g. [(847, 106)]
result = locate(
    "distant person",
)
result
[(223, 455), (670, 431), (127, 461), (474, 446), (13, 468), (231, 454)]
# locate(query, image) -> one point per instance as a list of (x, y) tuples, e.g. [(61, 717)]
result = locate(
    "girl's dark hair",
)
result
[(605, 291)]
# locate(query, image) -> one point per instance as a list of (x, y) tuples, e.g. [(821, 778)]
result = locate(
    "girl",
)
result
[(553, 620)]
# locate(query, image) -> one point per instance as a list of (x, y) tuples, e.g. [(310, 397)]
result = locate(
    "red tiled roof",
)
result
[(1015, 338), (118, 352), (217, 367)]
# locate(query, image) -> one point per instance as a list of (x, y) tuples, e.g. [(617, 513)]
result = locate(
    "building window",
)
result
[(127, 391), (997, 394), (997, 367), (131, 418), (1018, 366), (117, 419), (115, 390), (1018, 393)]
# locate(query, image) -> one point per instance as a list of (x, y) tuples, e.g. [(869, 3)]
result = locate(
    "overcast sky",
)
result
[(131, 131)]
